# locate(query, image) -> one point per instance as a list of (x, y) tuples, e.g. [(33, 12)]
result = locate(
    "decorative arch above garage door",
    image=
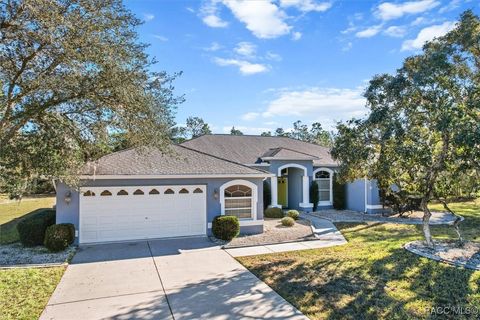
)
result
[(141, 212)]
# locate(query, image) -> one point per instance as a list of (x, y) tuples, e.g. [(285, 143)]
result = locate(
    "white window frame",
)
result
[(246, 183), (330, 171)]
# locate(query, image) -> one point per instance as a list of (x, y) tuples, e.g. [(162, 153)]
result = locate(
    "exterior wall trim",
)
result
[(290, 165), (251, 185), (331, 172)]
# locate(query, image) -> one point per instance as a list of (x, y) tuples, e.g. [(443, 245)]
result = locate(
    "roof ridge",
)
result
[(223, 159), (307, 154)]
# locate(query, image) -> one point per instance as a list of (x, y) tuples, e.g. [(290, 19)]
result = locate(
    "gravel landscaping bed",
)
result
[(467, 256), (16, 255), (274, 232), (437, 218)]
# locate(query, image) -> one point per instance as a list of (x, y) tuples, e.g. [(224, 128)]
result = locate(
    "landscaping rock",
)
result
[(449, 252)]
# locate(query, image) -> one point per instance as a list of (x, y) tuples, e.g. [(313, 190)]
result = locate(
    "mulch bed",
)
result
[(13, 255), (449, 252), (275, 232)]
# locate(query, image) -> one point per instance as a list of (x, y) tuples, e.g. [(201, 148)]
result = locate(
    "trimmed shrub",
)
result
[(225, 227), (31, 230), (288, 221), (339, 190), (294, 214), (314, 197), (59, 236), (267, 194), (273, 213)]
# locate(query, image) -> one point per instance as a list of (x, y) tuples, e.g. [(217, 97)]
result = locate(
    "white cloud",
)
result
[(325, 104), (369, 32), (161, 38), (273, 56), (263, 18), (190, 9), (148, 17), (246, 49), (214, 46), (250, 116), (210, 15), (296, 35), (306, 5), (452, 5), (427, 34), (214, 21), (395, 31), (245, 67), (389, 10)]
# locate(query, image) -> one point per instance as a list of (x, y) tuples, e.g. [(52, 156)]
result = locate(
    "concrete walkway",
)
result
[(324, 230), (188, 278)]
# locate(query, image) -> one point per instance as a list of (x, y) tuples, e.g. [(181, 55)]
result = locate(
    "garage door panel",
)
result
[(130, 217)]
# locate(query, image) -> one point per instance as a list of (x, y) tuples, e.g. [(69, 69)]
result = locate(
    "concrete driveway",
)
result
[(187, 278)]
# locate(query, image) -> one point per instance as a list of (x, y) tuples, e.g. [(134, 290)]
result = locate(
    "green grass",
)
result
[(373, 277), (24, 293), (12, 212)]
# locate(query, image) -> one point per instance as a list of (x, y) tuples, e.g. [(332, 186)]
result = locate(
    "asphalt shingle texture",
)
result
[(248, 149), (180, 161)]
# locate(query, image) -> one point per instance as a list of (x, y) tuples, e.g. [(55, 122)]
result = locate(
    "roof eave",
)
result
[(175, 176)]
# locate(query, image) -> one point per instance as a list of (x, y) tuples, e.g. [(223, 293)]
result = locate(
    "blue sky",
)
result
[(260, 64)]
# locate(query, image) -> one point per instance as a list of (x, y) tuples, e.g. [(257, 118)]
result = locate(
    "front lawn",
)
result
[(24, 293), (11, 212), (373, 277)]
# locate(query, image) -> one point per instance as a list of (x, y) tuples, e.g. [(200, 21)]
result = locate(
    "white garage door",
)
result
[(131, 213)]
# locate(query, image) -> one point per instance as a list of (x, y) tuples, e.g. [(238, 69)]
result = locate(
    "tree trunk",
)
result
[(456, 223), (426, 223)]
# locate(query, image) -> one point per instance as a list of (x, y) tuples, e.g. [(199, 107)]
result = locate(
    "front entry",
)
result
[(283, 191)]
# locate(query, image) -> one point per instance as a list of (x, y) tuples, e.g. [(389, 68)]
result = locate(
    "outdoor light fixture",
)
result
[(215, 194), (68, 197)]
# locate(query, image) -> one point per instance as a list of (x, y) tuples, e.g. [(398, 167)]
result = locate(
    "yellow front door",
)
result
[(283, 191)]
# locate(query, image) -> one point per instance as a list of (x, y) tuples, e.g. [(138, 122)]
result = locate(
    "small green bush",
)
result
[(31, 230), (288, 221), (273, 213), (225, 227), (339, 194), (294, 214), (59, 236)]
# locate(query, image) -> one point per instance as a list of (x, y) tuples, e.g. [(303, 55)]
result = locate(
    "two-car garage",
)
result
[(141, 212)]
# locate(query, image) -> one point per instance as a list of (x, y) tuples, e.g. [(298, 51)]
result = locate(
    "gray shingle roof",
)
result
[(286, 154), (181, 161), (248, 149)]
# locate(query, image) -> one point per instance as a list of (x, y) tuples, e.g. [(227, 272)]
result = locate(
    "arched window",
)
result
[(324, 176), (154, 191), (106, 193), (183, 191), (122, 193), (138, 192), (169, 191), (89, 193), (238, 201)]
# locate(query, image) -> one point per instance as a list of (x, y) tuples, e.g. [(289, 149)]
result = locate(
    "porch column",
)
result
[(274, 192), (306, 194)]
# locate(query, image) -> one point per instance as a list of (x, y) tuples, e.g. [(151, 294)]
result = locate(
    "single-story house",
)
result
[(132, 195)]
